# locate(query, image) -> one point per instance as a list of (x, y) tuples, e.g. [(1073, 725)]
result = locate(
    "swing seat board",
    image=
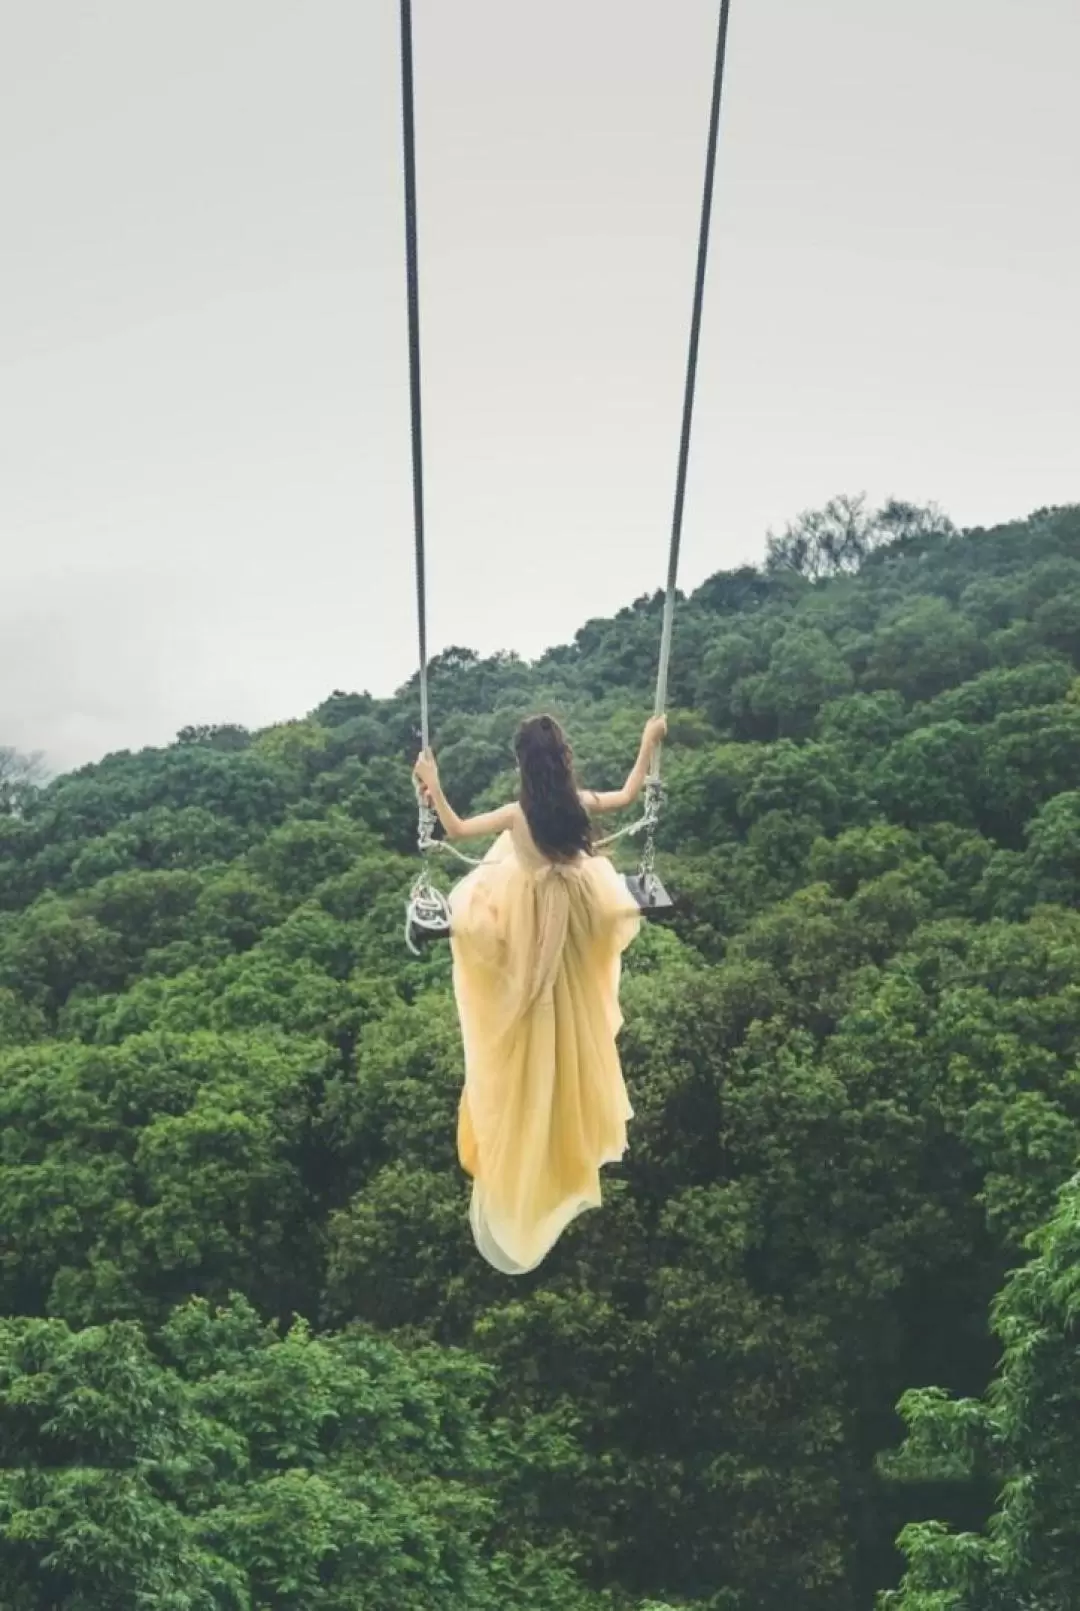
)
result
[(653, 901), (652, 898)]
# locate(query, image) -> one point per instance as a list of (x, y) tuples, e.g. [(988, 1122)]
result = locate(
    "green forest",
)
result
[(818, 1351)]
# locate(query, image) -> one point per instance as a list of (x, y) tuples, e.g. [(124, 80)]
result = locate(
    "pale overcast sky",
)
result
[(204, 498)]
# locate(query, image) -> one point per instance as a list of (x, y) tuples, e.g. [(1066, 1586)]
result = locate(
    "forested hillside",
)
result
[(249, 1356)]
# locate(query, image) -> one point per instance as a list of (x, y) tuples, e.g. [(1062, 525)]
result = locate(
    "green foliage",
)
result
[(20, 777), (843, 535), (132, 1175), (1024, 1434), (232, 1467), (805, 671), (853, 1061)]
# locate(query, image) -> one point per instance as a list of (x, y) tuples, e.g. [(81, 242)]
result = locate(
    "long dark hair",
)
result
[(558, 821)]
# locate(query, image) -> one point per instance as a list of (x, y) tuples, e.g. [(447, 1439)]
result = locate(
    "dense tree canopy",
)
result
[(248, 1355)]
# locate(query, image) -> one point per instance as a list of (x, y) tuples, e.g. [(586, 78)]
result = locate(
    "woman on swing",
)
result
[(537, 935)]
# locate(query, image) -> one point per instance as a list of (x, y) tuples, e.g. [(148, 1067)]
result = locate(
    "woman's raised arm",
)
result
[(619, 799), (426, 773)]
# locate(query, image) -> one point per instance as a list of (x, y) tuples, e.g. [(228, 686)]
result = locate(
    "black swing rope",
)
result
[(428, 912)]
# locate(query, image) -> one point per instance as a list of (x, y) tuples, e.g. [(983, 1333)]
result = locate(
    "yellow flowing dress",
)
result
[(537, 954)]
